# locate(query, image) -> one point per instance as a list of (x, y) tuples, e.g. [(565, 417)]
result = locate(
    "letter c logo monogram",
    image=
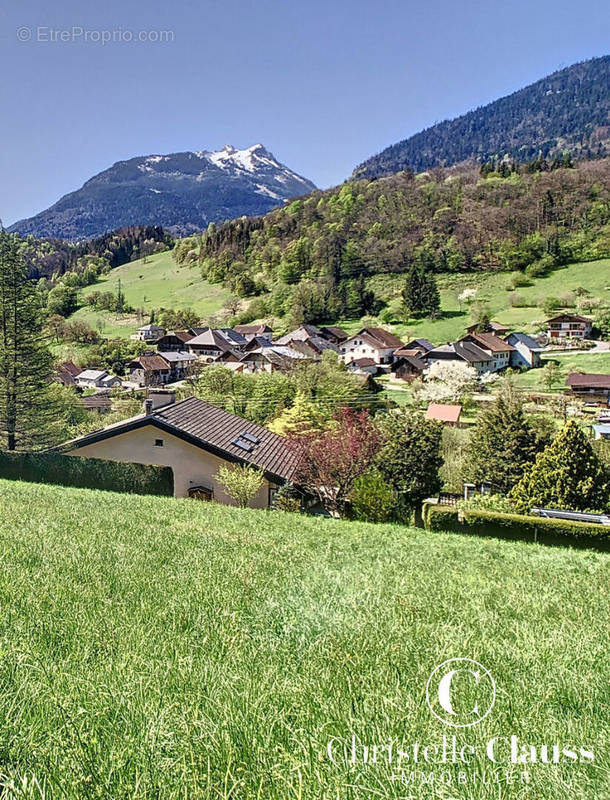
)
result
[(460, 692)]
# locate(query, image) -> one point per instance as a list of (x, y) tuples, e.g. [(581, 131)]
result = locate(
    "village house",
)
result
[(363, 366), (249, 331), (334, 334), (312, 347), (174, 340), (96, 379), (464, 352), (98, 403), (181, 363), (496, 328), (526, 352), (302, 333), (416, 347), (272, 358), (209, 345), (569, 326), (375, 343), (499, 350), (590, 386), (148, 333), (66, 373), (408, 366), (448, 414), (194, 438), (149, 369)]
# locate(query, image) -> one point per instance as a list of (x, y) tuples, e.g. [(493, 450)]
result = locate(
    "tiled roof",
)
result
[(523, 338), (183, 336), (252, 330), (443, 412), (421, 344), (364, 362), (213, 429), (176, 356), (210, 338), (335, 331), (410, 358), (150, 363), (594, 381), (302, 333), (70, 367), (471, 352), (383, 337), (490, 341), (92, 374), (569, 318)]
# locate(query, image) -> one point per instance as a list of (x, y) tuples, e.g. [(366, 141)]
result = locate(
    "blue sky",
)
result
[(323, 85)]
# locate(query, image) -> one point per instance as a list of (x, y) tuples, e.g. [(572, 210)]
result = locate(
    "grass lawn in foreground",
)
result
[(159, 282), (154, 648)]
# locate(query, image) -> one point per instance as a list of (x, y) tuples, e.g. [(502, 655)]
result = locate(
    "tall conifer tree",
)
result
[(26, 411)]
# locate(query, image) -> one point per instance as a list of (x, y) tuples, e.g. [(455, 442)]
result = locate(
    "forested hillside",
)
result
[(46, 258), (566, 111), (312, 259)]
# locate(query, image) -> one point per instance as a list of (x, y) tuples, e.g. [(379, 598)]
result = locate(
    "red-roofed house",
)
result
[(448, 414), (590, 386)]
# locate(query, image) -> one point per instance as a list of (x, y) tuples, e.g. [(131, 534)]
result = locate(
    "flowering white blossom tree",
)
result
[(448, 381)]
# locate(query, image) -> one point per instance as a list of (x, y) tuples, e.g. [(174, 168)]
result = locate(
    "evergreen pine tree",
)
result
[(420, 292), (26, 409), (566, 475), (430, 295), (502, 445), (411, 293)]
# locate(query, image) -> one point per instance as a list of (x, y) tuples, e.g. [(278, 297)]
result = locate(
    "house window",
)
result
[(158, 442), (200, 493)]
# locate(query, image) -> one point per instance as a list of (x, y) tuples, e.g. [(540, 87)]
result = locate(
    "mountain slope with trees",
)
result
[(313, 259), (566, 111)]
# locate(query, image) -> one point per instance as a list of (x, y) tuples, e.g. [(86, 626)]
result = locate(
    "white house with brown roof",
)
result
[(148, 333), (375, 343), (466, 352), (499, 350), (194, 438), (569, 326)]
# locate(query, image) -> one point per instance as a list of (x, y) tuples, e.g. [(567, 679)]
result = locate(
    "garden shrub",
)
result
[(515, 526), (87, 473)]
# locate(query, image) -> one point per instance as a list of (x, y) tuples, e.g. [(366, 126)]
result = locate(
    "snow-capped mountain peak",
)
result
[(180, 191)]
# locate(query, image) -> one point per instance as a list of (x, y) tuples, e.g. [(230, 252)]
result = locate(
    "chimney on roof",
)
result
[(160, 398), (148, 407)]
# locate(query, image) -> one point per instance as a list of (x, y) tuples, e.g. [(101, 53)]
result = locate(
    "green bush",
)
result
[(87, 473), (372, 498), (515, 526), (487, 502)]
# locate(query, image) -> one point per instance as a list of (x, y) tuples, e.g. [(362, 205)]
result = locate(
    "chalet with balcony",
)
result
[(569, 326)]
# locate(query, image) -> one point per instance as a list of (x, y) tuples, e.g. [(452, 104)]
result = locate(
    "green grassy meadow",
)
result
[(492, 290), (596, 363), (154, 648), (159, 282)]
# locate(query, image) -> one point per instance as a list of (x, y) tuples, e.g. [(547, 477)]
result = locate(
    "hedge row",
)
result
[(515, 526), (87, 473)]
